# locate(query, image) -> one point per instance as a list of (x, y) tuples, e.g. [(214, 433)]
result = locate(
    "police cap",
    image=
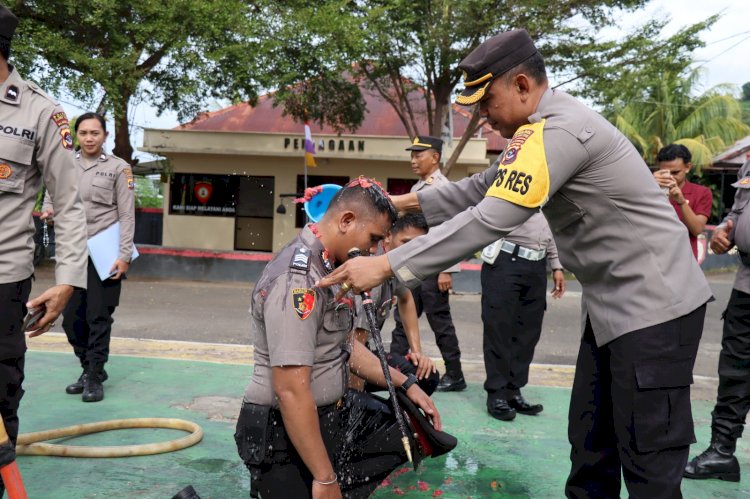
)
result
[(424, 142), (491, 59), (8, 23)]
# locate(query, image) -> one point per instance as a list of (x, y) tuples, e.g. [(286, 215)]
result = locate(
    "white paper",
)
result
[(104, 249)]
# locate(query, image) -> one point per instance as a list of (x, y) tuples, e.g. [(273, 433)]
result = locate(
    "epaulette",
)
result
[(35, 88), (300, 263)]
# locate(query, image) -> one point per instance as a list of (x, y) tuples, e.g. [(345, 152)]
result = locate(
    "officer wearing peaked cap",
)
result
[(644, 296), (432, 295), (35, 147)]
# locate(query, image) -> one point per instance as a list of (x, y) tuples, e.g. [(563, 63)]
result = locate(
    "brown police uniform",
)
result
[(733, 396), (107, 188), (296, 324), (428, 297), (35, 147), (384, 298), (644, 295)]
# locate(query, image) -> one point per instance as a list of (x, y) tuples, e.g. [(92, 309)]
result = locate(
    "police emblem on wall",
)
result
[(203, 191), (5, 171), (303, 300)]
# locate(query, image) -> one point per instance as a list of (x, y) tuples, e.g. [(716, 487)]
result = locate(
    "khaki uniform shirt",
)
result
[(296, 324), (535, 234), (436, 179), (35, 147), (107, 189), (740, 217), (615, 229)]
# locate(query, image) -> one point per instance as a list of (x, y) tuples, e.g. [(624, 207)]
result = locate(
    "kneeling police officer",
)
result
[(299, 432)]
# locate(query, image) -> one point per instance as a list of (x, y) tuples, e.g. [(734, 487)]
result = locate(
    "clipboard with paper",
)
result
[(104, 248)]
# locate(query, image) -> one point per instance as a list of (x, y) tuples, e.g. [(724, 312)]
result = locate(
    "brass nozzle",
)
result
[(407, 448)]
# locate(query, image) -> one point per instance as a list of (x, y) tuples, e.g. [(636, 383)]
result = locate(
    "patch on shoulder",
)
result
[(300, 263), (522, 174), (303, 301)]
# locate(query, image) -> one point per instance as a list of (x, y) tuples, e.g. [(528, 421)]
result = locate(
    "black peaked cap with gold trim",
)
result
[(8, 23), (424, 142), (491, 59)]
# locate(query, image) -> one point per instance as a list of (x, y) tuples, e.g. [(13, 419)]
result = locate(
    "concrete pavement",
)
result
[(217, 312)]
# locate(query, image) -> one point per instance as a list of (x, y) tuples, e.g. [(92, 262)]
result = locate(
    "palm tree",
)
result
[(671, 112)]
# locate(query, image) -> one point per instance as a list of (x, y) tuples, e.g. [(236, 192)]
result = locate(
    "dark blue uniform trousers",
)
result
[(513, 304), (13, 298), (88, 318), (733, 398), (630, 411), (430, 300)]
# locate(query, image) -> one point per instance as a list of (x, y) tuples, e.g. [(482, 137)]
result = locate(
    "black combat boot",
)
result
[(93, 391), (77, 387), (718, 461), (452, 382)]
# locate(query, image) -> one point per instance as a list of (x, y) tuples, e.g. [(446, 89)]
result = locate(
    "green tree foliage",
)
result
[(670, 110), (174, 54), (400, 46)]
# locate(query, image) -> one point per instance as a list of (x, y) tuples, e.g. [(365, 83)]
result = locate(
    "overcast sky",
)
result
[(726, 56)]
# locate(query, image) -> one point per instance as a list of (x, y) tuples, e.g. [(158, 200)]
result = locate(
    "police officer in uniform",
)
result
[(107, 188), (35, 147), (384, 297), (644, 296), (733, 398), (514, 285), (432, 295), (297, 433)]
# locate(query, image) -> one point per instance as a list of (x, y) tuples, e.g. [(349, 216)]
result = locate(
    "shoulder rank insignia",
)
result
[(430, 180), (300, 263), (303, 300), (11, 93)]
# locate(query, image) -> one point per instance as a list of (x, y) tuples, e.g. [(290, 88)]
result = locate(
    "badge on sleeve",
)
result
[(60, 119), (67, 138), (129, 177), (303, 300), (522, 174)]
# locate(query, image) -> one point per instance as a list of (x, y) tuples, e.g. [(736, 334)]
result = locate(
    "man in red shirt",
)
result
[(692, 202)]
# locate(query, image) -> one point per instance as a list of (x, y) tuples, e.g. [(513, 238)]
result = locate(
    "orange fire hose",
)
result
[(11, 476)]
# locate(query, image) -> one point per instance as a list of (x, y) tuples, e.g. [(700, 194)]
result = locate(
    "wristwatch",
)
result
[(410, 380)]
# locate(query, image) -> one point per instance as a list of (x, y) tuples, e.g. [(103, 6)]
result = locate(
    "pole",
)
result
[(375, 331)]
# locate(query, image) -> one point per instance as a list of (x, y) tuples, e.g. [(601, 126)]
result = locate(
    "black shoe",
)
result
[(522, 407), (77, 387), (93, 391), (499, 409), (718, 461), (452, 382)]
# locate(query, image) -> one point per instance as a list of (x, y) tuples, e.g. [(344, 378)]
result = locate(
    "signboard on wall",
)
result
[(202, 194)]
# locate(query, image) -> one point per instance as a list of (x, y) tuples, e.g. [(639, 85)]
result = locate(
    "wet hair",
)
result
[(407, 220), (5, 48), (91, 116), (674, 151), (532, 67), (366, 192)]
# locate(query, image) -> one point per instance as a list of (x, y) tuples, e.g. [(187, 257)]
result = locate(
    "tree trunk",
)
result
[(123, 149), (471, 128)]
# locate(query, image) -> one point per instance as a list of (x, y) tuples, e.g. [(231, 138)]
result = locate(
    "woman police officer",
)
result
[(106, 186)]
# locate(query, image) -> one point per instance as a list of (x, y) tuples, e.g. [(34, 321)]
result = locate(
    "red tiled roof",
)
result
[(380, 119)]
